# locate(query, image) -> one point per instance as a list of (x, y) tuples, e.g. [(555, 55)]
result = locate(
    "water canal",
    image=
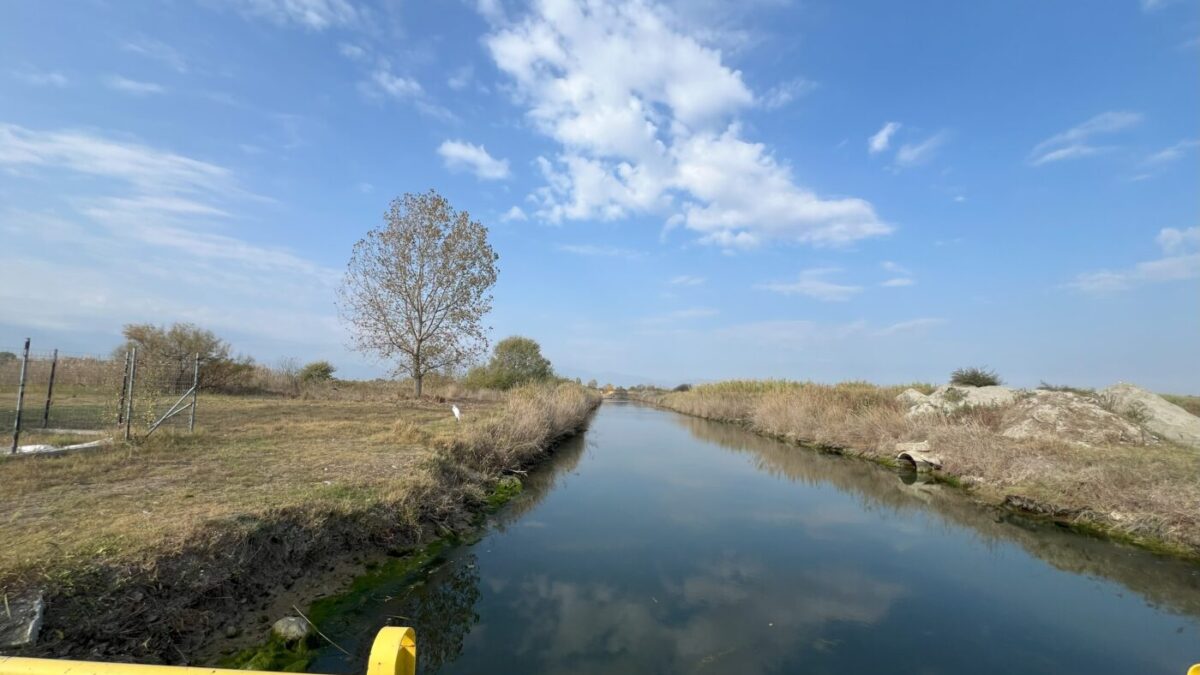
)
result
[(660, 543)]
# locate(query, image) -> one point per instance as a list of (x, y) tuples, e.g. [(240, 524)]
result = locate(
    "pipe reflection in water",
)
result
[(673, 544)]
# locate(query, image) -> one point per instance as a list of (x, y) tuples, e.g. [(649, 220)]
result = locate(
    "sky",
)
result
[(678, 191)]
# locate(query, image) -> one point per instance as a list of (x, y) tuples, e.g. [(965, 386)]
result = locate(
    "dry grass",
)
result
[(1148, 493), (256, 456)]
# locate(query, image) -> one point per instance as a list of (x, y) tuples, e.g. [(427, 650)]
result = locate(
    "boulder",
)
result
[(918, 456), (291, 628), (1069, 417), (1155, 413), (949, 398)]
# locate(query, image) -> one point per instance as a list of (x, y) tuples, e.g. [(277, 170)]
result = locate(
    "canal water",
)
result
[(660, 543)]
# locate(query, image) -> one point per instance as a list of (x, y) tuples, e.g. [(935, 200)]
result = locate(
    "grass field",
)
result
[(263, 482)]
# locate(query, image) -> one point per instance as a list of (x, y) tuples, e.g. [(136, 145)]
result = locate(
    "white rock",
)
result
[(291, 628), (949, 398), (1154, 412), (21, 619), (911, 397), (1069, 417)]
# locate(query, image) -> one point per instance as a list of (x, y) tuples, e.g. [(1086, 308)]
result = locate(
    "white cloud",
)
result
[(594, 250), (644, 116), (460, 78), (913, 154), (41, 78), (135, 87), (158, 51), (1074, 142), (143, 245), (910, 326), (686, 280), (894, 267), (897, 282), (353, 52), (880, 141), (1180, 262), (1172, 153), (785, 92), (394, 85), (813, 284), (475, 158), (514, 214), (310, 14)]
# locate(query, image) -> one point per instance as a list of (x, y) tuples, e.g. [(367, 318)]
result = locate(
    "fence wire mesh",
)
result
[(90, 393)]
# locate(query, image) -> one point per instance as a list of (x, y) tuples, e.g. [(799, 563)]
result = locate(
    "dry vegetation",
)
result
[(163, 539), (1147, 494)]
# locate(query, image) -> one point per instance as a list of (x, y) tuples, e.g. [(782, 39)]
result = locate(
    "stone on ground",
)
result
[(948, 398), (21, 619), (291, 628)]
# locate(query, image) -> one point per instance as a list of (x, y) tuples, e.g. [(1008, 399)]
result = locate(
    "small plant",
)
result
[(953, 395), (683, 387), (975, 377)]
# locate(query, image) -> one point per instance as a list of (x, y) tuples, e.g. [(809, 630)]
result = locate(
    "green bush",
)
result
[(515, 361), (975, 377), (317, 371), (683, 387)]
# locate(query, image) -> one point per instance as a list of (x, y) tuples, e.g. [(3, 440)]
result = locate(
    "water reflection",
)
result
[(1165, 582), (663, 543)]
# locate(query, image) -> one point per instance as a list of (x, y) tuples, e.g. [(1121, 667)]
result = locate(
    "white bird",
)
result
[(457, 413)]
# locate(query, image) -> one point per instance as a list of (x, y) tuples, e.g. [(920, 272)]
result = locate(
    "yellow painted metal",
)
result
[(1194, 670), (394, 652)]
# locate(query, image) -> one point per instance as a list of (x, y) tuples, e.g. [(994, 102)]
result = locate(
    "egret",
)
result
[(457, 413)]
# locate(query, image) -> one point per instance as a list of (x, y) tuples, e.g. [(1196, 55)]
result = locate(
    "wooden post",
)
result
[(124, 388), (50, 390), (195, 390), (129, 397), (20, 398)]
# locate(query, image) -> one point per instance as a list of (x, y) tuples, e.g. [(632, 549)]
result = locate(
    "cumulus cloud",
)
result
[(1180, 261), (645, 119), (881, 139), (1076, 142), (814, 284), (474, 158)]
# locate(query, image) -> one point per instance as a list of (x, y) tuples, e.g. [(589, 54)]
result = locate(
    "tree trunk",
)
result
[(417, 379)]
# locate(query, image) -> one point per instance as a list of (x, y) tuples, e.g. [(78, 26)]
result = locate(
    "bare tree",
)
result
[(416, 290)]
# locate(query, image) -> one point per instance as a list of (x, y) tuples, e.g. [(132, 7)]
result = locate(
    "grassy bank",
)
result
[(149, 551), (1148, 495)]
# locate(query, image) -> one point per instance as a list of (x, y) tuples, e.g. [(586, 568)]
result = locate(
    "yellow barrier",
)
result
[(394, 652)]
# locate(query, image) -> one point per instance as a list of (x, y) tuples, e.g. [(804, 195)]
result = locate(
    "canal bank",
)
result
[(666, 543)]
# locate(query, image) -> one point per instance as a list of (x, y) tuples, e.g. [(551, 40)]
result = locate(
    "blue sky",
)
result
[(682, 191)]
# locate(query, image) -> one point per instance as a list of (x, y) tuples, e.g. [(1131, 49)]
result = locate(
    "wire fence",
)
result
[(58, 393)]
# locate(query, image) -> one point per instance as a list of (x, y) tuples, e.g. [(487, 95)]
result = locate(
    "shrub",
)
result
[(1046, 386), (975, 377), (683, 387), (515, 361), (317, 371)]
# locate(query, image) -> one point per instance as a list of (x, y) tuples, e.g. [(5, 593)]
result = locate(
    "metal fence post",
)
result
[(20, 398), (50, 390), (195, 390), (124, 388), (129, 397)]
